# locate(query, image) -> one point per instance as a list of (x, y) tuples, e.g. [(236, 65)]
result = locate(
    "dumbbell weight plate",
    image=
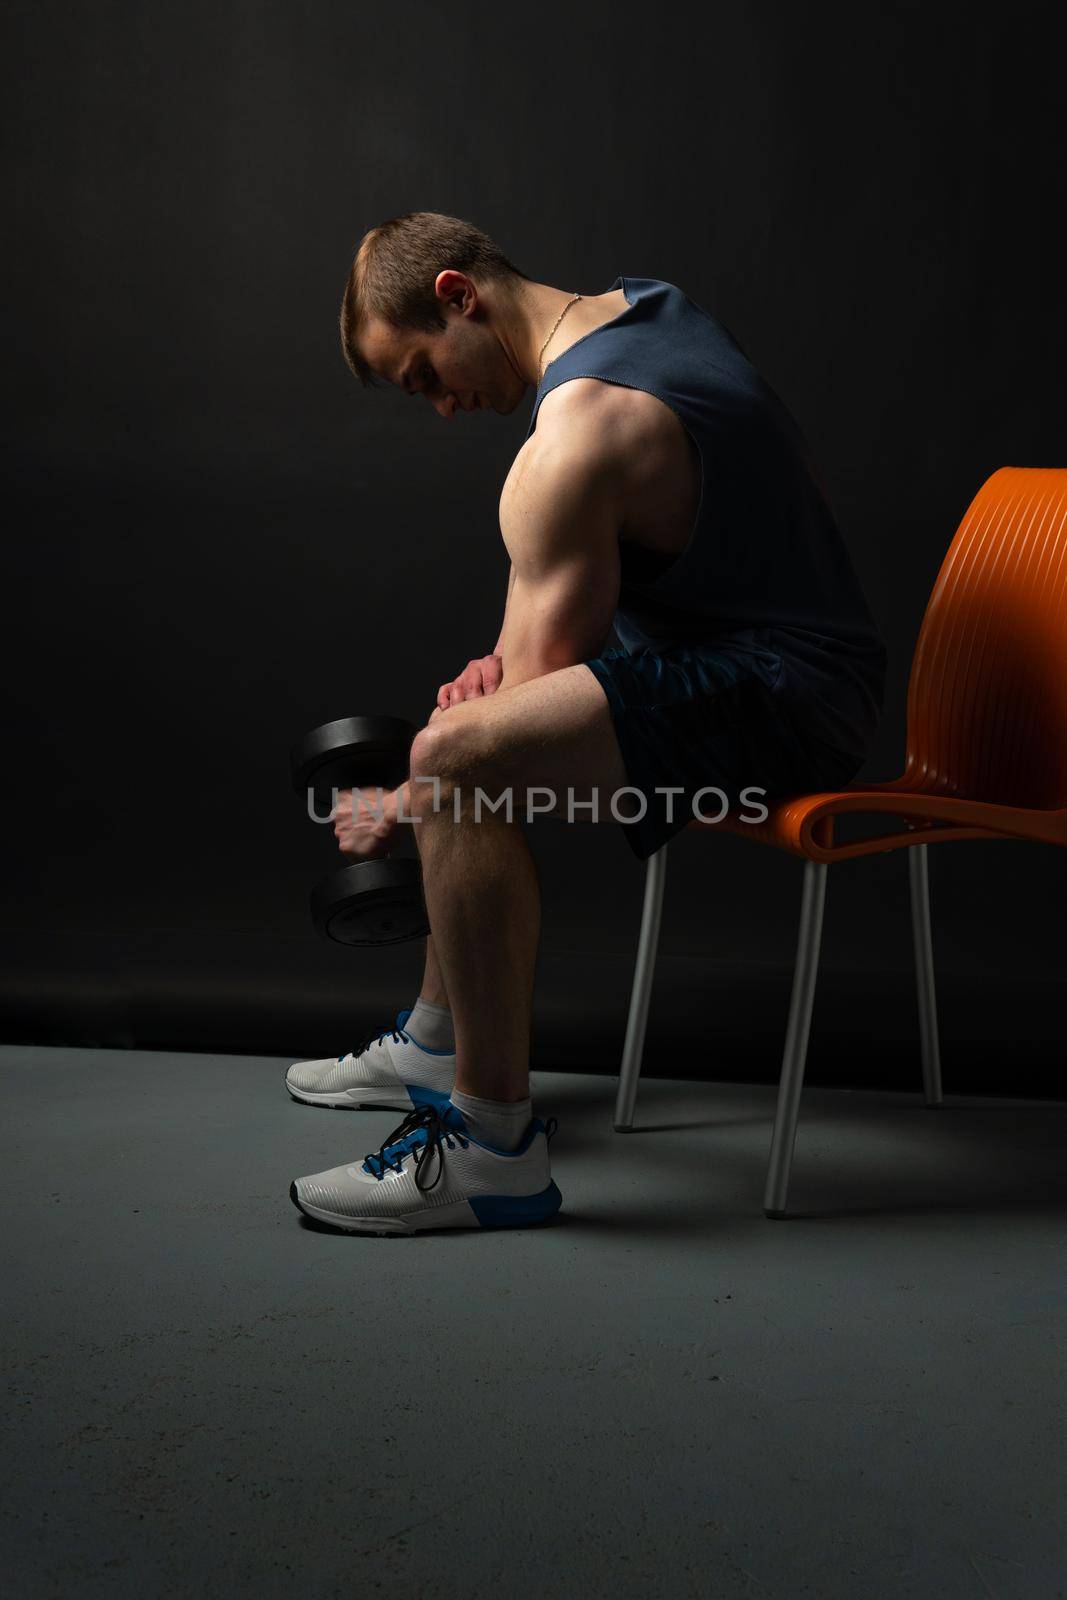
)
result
[(372, 902), (351, 752)]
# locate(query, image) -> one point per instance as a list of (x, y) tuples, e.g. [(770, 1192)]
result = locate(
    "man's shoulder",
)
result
[(608, 425), (599, 404), (570, 476), (577, 439)]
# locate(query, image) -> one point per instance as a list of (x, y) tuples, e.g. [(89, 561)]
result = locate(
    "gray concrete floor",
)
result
[(660, 1394)]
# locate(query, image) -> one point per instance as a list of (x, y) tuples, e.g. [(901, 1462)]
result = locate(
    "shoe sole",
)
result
[(365, 1099), (483, 1211)]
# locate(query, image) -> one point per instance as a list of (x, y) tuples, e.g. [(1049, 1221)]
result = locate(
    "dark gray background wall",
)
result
[(218, 539)]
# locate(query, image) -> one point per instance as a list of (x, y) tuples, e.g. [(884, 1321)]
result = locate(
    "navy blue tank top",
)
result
[(766, 566)]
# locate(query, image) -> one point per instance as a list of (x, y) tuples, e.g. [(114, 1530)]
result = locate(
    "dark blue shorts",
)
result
[(728, 715)]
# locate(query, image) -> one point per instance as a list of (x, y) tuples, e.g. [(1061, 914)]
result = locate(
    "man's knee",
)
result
[(450, 751)]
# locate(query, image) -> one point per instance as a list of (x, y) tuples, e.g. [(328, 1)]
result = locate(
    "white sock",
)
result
[(499, 1123), (431, 1025)]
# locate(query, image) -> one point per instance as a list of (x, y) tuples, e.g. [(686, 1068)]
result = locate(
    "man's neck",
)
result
[(528, 321)]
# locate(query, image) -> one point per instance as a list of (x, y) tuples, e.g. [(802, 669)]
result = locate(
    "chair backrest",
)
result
[(987, 698)]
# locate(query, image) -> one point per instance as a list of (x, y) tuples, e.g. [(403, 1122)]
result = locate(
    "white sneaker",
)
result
[(431, 1173), (382, 1073)]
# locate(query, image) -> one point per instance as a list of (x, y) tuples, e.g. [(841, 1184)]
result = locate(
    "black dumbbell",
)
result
[(372, 902)]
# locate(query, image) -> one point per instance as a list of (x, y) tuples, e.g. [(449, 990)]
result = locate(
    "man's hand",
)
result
[(477, 678), (364, 822)]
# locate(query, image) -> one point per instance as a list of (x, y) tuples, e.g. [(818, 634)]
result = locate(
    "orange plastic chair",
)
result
[(986, 759)]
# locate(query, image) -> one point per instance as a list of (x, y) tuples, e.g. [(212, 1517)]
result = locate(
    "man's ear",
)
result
[(457, 289)]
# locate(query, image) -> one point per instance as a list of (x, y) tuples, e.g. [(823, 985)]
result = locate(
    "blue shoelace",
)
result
[(423, 1133)]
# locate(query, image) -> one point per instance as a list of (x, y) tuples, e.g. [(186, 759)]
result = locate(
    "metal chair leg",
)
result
[(796, 1039), (918, 873), (644, 968)]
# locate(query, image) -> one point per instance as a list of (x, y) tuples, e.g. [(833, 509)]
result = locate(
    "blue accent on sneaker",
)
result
[(515, 1211), (402, 1017), (431, 1097), (444, 1124), (533, 1128), (536, 1126)]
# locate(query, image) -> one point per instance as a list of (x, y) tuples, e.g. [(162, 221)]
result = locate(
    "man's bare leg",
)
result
[(481, 888), (432, 989), (484, 905)]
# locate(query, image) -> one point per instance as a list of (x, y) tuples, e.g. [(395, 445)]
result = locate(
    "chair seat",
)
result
[(804, 824)]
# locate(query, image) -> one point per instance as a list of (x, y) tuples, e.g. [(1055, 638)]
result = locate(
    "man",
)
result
[(664, 490)]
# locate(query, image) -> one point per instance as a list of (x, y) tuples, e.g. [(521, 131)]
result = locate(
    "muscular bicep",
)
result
[(558, 618), (562, 531)]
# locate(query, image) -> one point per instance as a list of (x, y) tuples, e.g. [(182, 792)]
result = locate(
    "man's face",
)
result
[(461, 367)]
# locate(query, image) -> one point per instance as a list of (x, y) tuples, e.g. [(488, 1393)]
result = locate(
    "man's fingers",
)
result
[(343, 795), (477, 678), (490, 672)]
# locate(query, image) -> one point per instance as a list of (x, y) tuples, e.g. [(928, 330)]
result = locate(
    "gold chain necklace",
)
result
[(548, 341)]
